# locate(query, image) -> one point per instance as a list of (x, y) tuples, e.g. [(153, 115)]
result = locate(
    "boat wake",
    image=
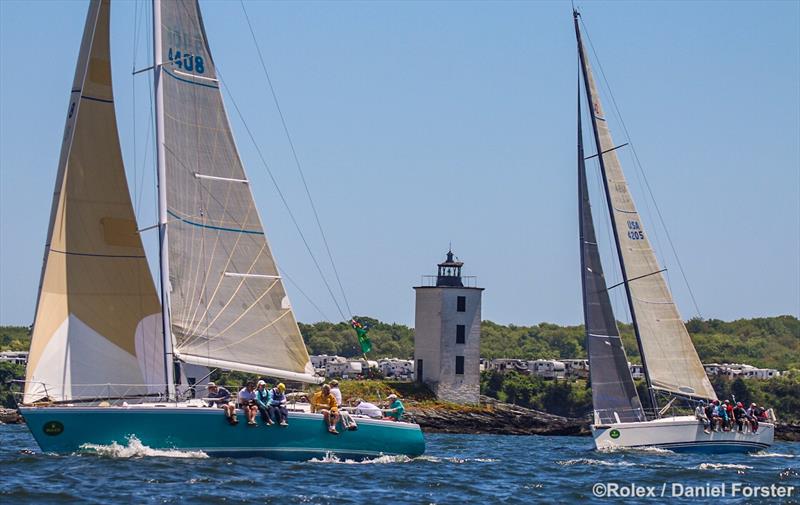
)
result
[(646, 450), (333, 458), (135, 449)]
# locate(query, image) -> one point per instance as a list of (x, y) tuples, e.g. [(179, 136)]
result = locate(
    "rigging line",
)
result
[(296, 159), (297, 286), (646, 182), (280, 194)]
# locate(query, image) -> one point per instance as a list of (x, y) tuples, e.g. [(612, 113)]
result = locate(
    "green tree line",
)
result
[(771, 342), (573, 398)]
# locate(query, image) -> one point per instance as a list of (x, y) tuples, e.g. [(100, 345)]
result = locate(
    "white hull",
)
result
[(680, 433)]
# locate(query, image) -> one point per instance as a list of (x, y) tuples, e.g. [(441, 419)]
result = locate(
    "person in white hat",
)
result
[(396, 409)]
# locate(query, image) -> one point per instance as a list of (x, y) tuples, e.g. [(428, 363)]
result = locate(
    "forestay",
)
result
[(671, 359), (98, 316), (228, 305), (614, 395)]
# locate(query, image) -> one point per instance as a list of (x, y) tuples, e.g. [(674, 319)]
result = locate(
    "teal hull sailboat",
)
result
[(102, 340), (192, 428)]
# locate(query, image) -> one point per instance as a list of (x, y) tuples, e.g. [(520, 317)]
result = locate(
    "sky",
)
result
[(424, 124)]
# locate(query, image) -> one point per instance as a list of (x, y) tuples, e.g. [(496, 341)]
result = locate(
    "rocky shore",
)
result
[(9, 416), (504, 419), (495, 418)]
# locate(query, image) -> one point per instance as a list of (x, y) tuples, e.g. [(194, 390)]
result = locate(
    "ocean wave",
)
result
[(722, 466), (590, 461), (762, 454), (135, 449)]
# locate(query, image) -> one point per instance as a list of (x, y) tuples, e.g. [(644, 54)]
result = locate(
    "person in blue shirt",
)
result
[(395, 410), (722, 413), (263, 397), (277, 405)]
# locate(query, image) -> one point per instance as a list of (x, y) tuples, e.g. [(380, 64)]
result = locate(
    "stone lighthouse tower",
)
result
[(447, 333)]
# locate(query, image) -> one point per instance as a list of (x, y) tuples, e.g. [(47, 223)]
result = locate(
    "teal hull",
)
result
[(67, 429)]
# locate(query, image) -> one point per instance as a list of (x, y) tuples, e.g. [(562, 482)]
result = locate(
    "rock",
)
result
[(496, 418), (10, 416)]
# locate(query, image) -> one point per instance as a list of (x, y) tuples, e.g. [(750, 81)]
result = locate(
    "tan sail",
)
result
[(97, 326), (672, 361), (228, 305)]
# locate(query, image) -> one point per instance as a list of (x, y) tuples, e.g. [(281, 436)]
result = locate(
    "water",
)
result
[(456, 469)]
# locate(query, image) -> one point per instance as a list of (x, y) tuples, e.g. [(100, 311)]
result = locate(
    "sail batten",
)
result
[(227, 300), (669, 357)]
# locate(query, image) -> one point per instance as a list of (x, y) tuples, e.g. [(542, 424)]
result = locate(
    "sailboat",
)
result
[(670, 362), (106, 353)]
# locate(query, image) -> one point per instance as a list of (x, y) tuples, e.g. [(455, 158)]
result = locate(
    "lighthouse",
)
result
[(447, 333)]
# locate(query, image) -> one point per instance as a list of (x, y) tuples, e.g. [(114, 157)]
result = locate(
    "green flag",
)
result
[(363, 338)]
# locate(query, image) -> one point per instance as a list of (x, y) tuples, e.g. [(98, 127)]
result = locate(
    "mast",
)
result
[(590, 99), (163, 255)]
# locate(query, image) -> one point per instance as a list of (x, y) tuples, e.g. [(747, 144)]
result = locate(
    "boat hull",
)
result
[(68, 429), (680, 434)]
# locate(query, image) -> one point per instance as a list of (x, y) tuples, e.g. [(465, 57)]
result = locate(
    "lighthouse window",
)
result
[(461, 304), (461, 332), (459, 365)]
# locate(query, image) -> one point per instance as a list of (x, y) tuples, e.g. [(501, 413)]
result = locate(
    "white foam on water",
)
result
[(762, 454), (590, 461), (722, 466), (135, 449), (648, 450), (333, 458)]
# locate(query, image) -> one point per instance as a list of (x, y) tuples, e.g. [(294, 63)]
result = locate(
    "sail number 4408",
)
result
[(187, 61), (635, 231)]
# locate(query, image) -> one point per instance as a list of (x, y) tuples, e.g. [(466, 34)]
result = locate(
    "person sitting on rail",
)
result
[(700, 415), (263, 397), (324, 402), (740, 416), (367, 409), (277, 405), (247, 399), (395, 410), (221, 397)]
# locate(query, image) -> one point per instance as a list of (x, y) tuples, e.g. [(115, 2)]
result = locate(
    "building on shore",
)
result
[(447, 333), (16, 357), (734, 370)]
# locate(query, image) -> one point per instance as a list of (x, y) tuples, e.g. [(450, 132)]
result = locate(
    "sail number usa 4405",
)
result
[(186, 61), (635, 231)]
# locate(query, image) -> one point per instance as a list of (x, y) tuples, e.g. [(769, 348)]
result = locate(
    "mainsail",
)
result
[(97, 329), (614, 395), (670, 359), (228, 306)]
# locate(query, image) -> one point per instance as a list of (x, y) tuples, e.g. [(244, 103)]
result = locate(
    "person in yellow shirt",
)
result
[(325, 403)]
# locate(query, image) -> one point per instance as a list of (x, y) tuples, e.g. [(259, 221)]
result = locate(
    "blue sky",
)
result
[(420, 124)]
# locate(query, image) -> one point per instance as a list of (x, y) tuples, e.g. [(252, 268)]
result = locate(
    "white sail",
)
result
[(228, 304), (671, 359), (97, 327)]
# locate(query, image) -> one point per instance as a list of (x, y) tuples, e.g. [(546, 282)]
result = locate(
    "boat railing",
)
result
[(108, 393)]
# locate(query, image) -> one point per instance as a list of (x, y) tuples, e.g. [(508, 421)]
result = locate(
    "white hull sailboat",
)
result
[(670, 361), (102, 340)]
